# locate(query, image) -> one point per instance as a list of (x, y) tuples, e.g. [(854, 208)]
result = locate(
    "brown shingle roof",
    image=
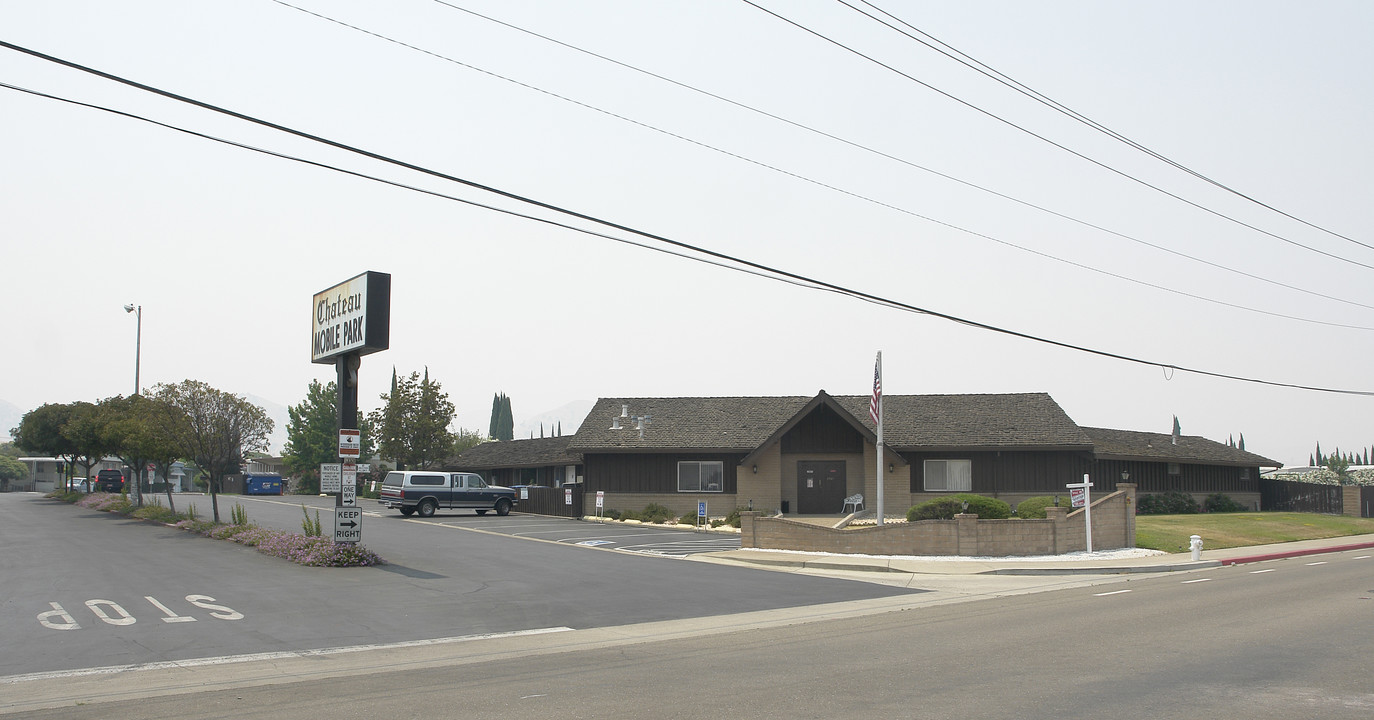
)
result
[(1134, 445), (516, 453), (1025, 420)]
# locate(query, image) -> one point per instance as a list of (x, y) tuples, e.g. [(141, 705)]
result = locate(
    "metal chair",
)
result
[(853, 501)]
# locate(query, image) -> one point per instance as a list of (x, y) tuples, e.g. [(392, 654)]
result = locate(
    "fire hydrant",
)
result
[(1195, 543)]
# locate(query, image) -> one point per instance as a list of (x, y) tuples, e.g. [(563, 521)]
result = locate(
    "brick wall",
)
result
[(1113, 519)]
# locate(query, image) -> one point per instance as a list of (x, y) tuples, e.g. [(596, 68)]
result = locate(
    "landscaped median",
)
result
[(311, 550)]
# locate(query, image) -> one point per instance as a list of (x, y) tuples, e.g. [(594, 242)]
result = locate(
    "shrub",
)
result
[(1031, 508), (629, 515), (1218, 502), (655, 513), (312, 528), (985, 508), (943, 508), (1173, 502), (610, 514), (687, 519), (156, 513), (239, 515), (733, 518)]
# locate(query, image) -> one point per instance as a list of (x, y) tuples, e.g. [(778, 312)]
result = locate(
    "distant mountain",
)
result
[(10, 415), (277, 440), (570, 415)]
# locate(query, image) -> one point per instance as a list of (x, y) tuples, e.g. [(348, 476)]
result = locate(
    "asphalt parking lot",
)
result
[(644, 539)]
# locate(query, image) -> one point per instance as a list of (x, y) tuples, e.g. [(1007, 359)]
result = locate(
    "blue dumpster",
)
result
[(262, 485)]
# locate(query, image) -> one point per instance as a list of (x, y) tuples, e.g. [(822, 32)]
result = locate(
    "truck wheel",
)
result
[(426, 508), (407, 511), (503, 507)]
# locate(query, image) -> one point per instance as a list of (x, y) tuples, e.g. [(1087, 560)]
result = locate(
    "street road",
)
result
[(1281, 639)]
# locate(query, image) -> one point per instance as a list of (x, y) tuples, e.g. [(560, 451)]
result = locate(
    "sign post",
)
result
[(1082, 497), (348, 321)]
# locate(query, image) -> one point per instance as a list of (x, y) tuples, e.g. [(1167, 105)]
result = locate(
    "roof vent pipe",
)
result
[(615, 423), (625, 410)]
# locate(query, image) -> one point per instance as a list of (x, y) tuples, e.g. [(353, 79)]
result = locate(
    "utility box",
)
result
[(262, 485)]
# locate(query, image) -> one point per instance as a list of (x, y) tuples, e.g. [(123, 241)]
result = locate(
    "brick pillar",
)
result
[(1350, 500), (967, 527), (1057, 515), (747, 531), (1129, 489)]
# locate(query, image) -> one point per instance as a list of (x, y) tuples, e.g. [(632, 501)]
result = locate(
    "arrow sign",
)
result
[(348, 524)]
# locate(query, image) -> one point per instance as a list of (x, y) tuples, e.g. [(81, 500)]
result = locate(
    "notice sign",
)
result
[(331, 477), (1077, 495), (600, 498), (350, 442), (567, 496), (351, 318), (348, 524)]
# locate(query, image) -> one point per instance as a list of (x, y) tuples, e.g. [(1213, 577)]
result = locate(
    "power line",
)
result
[(866, 198), (1042, 138), (969, 61), (774, 273), (864, 148)]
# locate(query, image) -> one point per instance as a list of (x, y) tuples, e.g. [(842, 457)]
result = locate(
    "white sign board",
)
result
[(601, 498), (348, 524), (350, 441), (349, 480), (352, 317), (1076, 496), (331, 477), (567, 496)]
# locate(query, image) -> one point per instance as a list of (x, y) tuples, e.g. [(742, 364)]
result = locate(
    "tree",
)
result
[(1341, 467), (218, 428), (465, 440), (502, 421), (412, 424), (142, 431), (83, 430), (121, 426), (11, 470), (1241, 446), (312, 434), (40, 432)]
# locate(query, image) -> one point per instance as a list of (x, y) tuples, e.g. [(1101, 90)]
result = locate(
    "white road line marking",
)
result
[(1114, 592), (1256, 572), (1190, 582), (255, 657), (1362, 557), (1323, 562)]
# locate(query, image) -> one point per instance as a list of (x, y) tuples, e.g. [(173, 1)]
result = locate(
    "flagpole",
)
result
[(878, 398)]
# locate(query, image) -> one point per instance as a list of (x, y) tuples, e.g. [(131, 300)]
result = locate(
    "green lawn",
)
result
[(1224, 530)]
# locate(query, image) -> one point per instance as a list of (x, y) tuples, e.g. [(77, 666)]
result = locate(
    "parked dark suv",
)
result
[(109, 481)]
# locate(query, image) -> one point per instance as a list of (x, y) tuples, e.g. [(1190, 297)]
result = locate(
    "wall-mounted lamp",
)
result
[(891, 467), (1125, 475), (756, 469), (1056, 501), (965, 506)]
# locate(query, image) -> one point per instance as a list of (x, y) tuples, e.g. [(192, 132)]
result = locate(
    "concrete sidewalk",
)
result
[(1073, 564)]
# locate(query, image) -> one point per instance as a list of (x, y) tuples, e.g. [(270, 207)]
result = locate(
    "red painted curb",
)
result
[(1297, 553)]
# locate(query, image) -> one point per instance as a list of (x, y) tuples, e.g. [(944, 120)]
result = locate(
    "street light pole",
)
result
[(138, 343)]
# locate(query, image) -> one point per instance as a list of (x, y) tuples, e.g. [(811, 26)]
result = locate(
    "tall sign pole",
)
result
[(350, 320)]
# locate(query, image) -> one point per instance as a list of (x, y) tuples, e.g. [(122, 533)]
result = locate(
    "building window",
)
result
[(949, 476), (701, 476), (1173, 468)]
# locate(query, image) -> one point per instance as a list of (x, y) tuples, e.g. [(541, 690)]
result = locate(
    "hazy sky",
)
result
[(224, 247)]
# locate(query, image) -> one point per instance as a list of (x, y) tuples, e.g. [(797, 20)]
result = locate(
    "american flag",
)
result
[(876, 400)]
